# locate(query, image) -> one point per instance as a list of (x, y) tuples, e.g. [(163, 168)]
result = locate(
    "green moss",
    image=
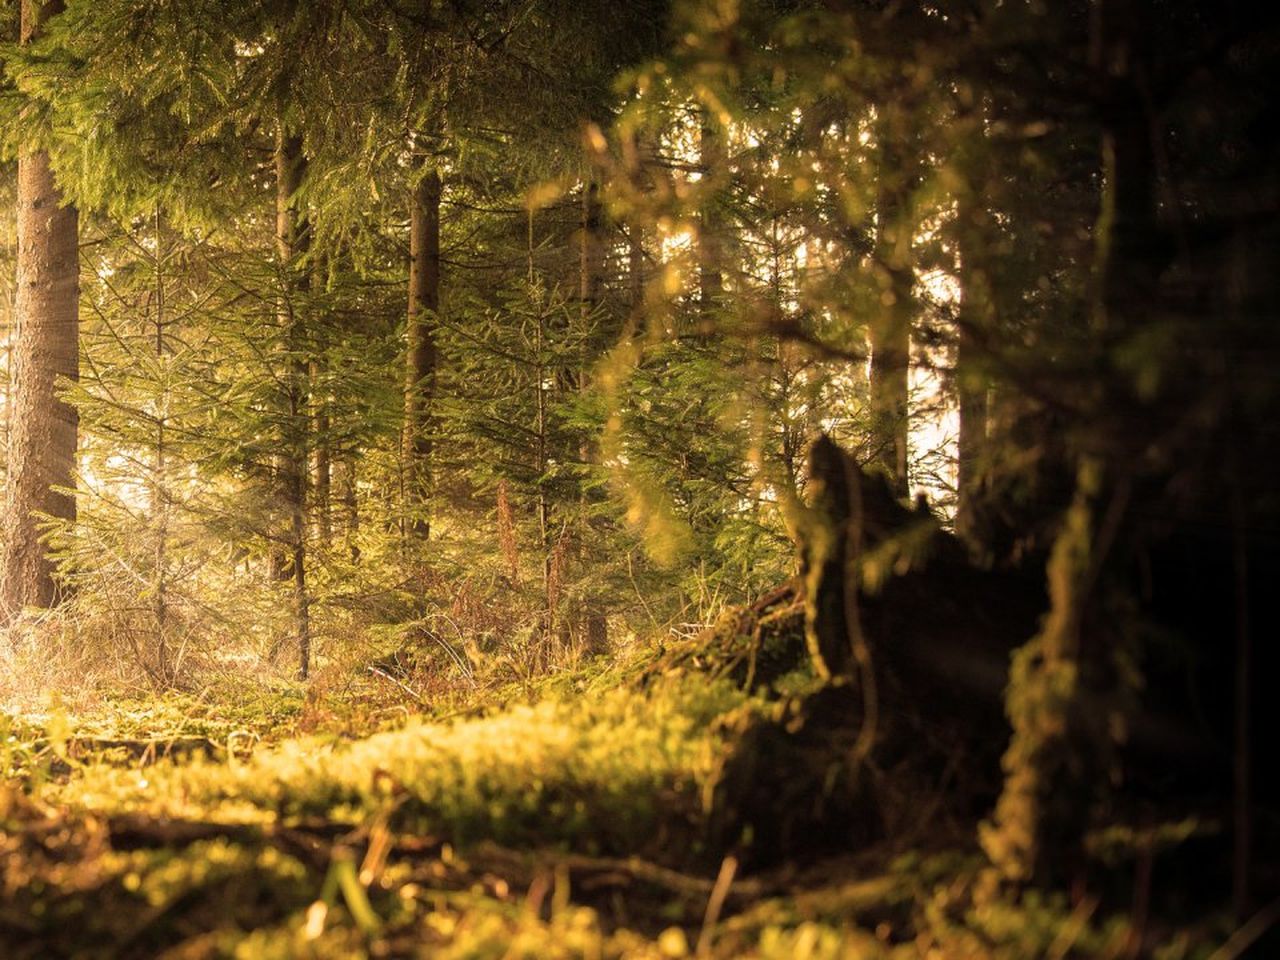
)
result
[(594, 766), (604, 774)]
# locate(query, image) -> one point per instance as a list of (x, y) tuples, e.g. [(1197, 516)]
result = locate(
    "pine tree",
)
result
[(41, 475)]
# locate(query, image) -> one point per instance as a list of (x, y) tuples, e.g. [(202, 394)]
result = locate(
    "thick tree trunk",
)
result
[(43, 428), (291, 245), (1064, 680), (824, 560), (890, 331), (422, 356)]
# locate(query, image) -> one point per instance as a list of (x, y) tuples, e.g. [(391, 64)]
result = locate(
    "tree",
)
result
[(43, 427), (890, 331), (292, 243), (422, 355)]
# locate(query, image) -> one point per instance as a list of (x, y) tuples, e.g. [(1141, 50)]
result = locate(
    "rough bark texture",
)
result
[(42, 439), (420, 370)]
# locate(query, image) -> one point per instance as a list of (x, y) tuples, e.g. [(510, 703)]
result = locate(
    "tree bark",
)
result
[(159, 481), (824, 557), (1066, 686), (43, 432), (975, 316), (591, 283), (292, 241), (321, 457), (322, 465), (423, 355), (711, 229), (350, 505)]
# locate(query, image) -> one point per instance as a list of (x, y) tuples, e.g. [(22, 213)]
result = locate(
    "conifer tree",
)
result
[(41, 474), (422, 352)]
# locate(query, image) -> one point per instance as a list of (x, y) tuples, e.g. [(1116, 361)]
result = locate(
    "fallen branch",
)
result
[(310, 843), (314, 842), (379, 672)]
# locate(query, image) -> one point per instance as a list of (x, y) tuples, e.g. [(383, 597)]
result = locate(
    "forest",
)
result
[(639, 479)]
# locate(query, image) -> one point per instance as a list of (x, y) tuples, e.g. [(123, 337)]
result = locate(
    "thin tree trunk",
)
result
[(43, 431), (591, 282), (711, 230), (1242, 772), (423, 355), (321, 459), (159, 494), (635, 247), (322, 465), (350, 506), (291, 245), (971, 384), (549, 586), (890, 331), (635, 276)]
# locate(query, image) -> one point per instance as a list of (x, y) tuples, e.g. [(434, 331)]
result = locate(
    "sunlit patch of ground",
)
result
[(570, 826)]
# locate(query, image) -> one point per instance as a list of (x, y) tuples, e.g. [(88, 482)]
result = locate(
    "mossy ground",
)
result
[(567, 821)]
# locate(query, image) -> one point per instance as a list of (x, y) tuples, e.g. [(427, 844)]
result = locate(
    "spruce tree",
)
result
[(40, 464)]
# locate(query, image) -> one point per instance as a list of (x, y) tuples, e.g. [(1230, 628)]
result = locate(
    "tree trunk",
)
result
[(975, 317), (591, 282), (635, 276), (711, 229), (890, 331), (321, 464), (635, 245), (321, 457), (422, 357), (159, 482), (292, 241), (824, 557), (1058, 757), (350, 506), (42, 440)]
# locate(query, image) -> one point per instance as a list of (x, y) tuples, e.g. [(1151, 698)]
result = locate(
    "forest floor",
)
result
[(566, 819)]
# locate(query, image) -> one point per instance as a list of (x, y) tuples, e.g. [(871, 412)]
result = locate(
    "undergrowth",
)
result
[(562, 818), (607, 773)]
